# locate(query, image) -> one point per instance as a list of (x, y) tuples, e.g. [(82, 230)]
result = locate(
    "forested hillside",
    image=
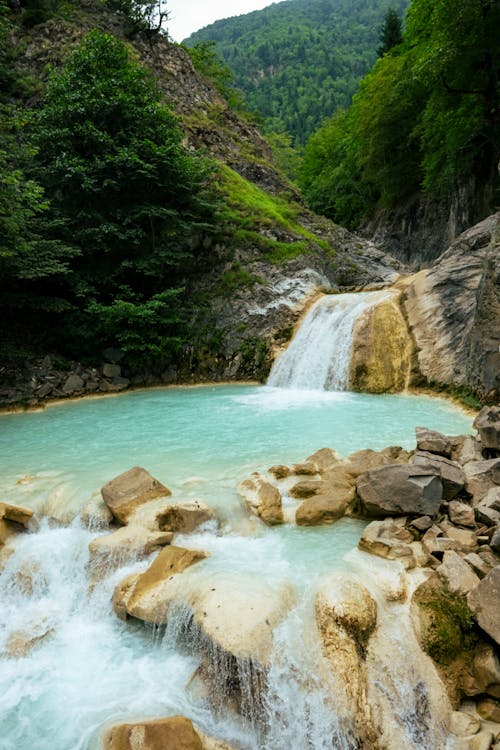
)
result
[(425, 119), (300, 61)]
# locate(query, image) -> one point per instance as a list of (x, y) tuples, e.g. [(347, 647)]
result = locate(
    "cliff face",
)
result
[(453, 311)]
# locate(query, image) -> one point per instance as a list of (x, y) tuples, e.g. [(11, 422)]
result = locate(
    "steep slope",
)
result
[(299, 61)]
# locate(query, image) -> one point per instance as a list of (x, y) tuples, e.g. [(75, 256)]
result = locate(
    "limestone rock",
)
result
[(16, 513), (279, 471), (452, 312), (399, 490), (325, 507), (484, 601), (487, 423), (485, 672), (361, 461), (124, 494), (481, 477), (463, 724), (478, 565), (183, 517), (176, 733), (305, 488), (123, 546), (452, 476), (466, 538), (96, 514), (489, 709), (433, 442), (388, 539), (381, 349), (147, 596), (306, 468), (481, 741), (263, 499), (324, 459), (456, 574), (461, 514)]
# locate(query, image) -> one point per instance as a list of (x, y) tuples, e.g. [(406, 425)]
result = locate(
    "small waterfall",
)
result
[(320, 352)]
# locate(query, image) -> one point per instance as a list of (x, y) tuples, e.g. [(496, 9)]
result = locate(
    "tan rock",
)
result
[(21, 642), (489, 709), (124, 494), (184, 517), (478, 565), (324, 459), (325, 507), (485, 672), (306, 488), (175, 733), (388, 539), (466, 539), (481, 741), (461, 514), (457, 575), (280, 471), (147, 596), (381, 349), (95, 514), (306, 468), (16, 513), (263, 499), (210, 743), (123, 546), (463, 724)]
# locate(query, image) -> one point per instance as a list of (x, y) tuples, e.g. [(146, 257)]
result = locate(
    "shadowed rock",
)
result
[(397, 490), (484, 601), (487, 423)]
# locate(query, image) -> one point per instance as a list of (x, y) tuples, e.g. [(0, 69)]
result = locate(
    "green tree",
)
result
[(391, 33), (143, 15), (123, 191)]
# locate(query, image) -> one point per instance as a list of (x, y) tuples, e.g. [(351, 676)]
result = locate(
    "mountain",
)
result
[(299, 61)]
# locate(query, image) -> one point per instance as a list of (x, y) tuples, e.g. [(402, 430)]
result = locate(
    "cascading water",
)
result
[(69, 668), (319, 354)]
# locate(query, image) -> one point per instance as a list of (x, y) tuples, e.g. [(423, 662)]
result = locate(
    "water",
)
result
[(318, 356), (92, 670)]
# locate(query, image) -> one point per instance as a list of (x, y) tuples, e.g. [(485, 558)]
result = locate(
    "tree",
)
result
[(123, 191), (391, 33), (143, 15)]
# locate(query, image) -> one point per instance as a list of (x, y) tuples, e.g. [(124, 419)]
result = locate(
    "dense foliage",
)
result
[(109, 213), (298, 62), (426, 117)]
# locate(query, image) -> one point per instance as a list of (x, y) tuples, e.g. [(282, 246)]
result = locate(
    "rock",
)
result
[(280, 471), (452, 476), (306, 468), (147, 596), (481, 741), (388, 539), (457, 575), (210, 743), (330, 503), (489, 709), (495, 541), (466, 538), (465, 448), (421, 524), (16, 513), (175, 733), (263, 499), (324, 459), (486, 515), (361, 461), (183, 517), (463, 724), (95, 514), (492, 499), (433, 442), (485, 672), (480, 568), (452, 311), (73, 384), (111, 370), (306, 488), (21, 642), (400, 490), (484, 601), (438, 545), (487, 423), (123, 546), (124, 494), (461, 514), (481, 477)]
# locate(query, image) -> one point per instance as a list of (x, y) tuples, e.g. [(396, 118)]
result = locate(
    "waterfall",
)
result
[(320, 352)]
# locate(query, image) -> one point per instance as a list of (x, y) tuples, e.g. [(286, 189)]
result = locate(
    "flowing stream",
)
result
[(89, 669), (318, 356)]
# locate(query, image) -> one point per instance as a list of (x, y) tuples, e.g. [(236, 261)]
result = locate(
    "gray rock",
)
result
[(422, 524), (432, 441), (478, 565), (44, 390), (487, 515), (452, 476), (487, 423), (73, 384), (458, 576), (481, 477), (111, 371), (484, 601), (397, 490), (389, 539), (495, 541)]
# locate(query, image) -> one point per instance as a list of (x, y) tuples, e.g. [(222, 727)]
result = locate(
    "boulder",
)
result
[(481, 477), (421, 524), (73, 384), (279, 471), (306, 488), (263, 499), (478, 565), (485, 672), (147, 596), (466, 538), (433, 442), (456, 574), (361, 461), (13, 520), (495, 541), (182, 517), (461, 514), (434, 543), (487, 423), (95, 514), (330, 502), (389, 539), (111, 371), (489, 709), (452, 476), (484, 602), (324, 459), (465, 448), (306, 468), (127, 492), (176, 733), (396, 490), (125, 545)]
